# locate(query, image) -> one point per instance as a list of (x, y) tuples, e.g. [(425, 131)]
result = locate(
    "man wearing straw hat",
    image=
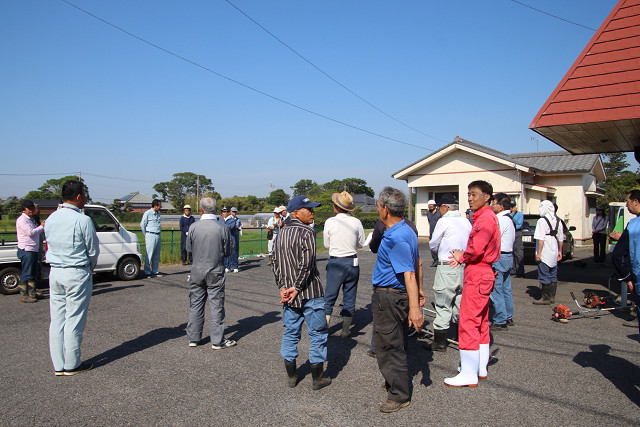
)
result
[(343, 235)]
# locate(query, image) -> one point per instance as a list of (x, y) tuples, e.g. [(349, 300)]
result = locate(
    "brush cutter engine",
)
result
[(593, 301), (561, 313)]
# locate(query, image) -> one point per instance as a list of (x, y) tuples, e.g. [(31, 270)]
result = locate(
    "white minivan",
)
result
[(119, 252)]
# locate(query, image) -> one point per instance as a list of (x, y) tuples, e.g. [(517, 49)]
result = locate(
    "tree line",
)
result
[(187, 187)]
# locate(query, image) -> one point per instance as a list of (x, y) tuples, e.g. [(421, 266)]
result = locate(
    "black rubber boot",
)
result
[(292, 373), (545, 300), (317, 370), (552, 292), (439, 340)]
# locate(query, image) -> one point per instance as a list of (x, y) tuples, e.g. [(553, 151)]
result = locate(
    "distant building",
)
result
[(141, 202), (365, 203), (528, 178)]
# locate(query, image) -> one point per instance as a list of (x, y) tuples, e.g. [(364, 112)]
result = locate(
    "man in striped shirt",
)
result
[(301, 292)]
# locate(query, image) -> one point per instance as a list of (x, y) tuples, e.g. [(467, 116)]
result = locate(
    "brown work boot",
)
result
[(393, 406), (24, 295)]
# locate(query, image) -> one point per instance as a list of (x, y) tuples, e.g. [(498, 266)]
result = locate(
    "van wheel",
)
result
[(129, 268), (9, 279)]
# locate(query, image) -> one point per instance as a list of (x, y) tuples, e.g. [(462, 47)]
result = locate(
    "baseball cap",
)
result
[(300, 202)]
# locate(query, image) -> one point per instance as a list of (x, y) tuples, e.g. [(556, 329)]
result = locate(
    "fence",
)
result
[(253, 241)]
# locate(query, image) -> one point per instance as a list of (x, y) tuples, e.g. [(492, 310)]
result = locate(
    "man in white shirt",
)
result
[(501, 296), (451, 232), (343, 235), (550, 236)]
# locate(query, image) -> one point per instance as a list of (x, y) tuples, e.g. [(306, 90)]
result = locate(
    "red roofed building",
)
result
[(596, 106)]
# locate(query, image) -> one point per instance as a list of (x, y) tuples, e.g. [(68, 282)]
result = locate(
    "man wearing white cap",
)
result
[(185, 222), (433, 215), (343, 235), (274, 224)]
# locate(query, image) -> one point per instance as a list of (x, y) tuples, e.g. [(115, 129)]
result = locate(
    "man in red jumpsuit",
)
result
[(483, 249)]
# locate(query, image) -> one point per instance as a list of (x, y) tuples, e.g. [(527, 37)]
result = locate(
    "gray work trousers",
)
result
[(447, 291), (198, 294), (518, 255)]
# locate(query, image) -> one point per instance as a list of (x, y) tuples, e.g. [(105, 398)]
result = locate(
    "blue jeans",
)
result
[(311, 312), (501, 296), (341, 273), (69, 294), (546, 274), (152, 256), (29, 261), (231, 262)]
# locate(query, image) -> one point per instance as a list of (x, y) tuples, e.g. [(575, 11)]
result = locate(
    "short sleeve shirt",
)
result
[(397, 254)]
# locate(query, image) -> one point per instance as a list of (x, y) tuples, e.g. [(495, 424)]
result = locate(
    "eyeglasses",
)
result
[(310, 209)]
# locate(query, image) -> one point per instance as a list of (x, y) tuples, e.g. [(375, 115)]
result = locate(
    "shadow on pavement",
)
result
[(143, 342), (622, 373), (103, 289), (251, 324)]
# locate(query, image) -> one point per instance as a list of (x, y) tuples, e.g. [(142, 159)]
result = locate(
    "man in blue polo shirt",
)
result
[(397, 297)]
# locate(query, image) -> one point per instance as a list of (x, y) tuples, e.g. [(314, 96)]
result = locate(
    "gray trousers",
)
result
[(518, 255), (197, 298), (447, 291)]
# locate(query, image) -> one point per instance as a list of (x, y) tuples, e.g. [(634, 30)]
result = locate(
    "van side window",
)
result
[(101, 220)]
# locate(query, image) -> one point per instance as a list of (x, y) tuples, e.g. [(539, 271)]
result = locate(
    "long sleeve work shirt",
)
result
[(71, 238)]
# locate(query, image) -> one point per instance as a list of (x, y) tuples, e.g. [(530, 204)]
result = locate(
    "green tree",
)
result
[(52, 189), (278, 197), (352, 185), (185, 185), (12, 207), (305, 187), (619, 179)]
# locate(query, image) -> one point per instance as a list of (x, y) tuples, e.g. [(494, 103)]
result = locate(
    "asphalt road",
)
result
[(583, 372)]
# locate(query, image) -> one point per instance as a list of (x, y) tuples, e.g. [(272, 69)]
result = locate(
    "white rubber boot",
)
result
[(484, 361), (468, 376)]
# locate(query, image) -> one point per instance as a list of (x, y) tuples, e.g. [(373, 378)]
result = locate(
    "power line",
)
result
[(38, 174), (553, 16), (240, 83), (328, 76)]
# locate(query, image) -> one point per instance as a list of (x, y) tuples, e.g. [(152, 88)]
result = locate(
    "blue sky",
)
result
[(80, 95)]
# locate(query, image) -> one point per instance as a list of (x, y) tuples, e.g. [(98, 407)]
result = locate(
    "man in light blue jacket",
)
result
[(72, 253)]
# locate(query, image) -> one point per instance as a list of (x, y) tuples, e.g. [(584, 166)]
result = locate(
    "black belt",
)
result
[(506, 253), (151, 232), (387, 289), (348, 256), (443, 263)]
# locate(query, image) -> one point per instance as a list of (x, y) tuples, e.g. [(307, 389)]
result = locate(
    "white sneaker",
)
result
[(224, 344), (235, 270), (226, 270)]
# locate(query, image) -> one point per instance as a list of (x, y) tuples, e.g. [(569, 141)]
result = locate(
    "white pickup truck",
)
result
[(119, 252)]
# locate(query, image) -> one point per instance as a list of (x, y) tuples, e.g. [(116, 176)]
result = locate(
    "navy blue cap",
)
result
[(300, 202)]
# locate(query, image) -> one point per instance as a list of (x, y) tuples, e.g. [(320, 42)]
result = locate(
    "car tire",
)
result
[(9, 279), (129, 268)]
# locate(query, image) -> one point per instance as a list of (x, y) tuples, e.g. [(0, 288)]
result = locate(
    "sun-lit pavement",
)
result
[(583, 372)]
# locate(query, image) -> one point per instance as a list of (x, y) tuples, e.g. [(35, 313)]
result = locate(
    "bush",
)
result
[(129, 217)]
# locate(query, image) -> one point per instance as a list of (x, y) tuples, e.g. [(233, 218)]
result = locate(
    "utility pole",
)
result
[(197, 193)]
